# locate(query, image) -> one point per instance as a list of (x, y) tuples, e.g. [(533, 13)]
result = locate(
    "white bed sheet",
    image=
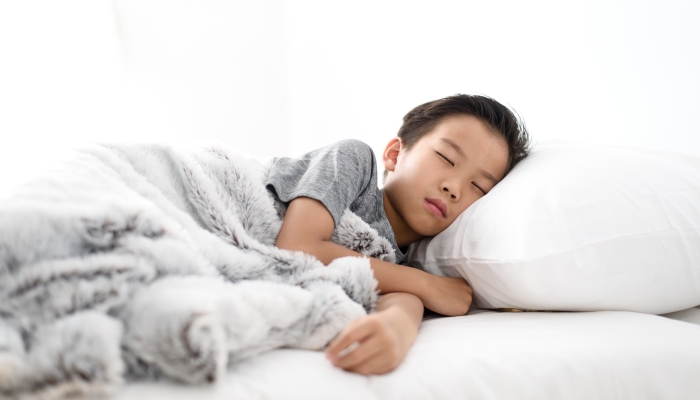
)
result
[(488, 355)]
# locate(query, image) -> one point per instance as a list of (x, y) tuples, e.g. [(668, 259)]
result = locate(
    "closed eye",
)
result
[(446, 159), (477, 186)]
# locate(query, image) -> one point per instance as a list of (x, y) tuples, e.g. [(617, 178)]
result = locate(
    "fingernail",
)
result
[(348, 349)]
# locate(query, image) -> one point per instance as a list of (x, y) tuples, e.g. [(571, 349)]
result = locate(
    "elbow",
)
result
[(295, 245), (286, 244)]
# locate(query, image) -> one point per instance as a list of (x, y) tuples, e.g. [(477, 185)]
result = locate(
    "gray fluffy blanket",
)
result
[(149, 262)]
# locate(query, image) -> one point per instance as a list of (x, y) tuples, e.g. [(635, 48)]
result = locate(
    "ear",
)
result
[(391, 153)]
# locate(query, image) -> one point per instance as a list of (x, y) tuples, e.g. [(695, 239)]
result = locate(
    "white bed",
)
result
[(488, 355), (529, 355), (535, 355)]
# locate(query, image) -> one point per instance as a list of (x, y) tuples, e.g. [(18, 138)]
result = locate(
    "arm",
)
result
[(308, 227), (383, 338)]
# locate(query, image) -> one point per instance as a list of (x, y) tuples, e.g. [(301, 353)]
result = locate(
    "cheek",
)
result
[(407, 168), (420, 174), (409, 179), (470, 199)]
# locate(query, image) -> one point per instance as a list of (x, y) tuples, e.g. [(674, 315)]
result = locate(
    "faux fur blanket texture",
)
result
[(150, 262)]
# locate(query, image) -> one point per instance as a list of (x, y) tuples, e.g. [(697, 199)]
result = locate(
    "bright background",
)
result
[(280, 77)]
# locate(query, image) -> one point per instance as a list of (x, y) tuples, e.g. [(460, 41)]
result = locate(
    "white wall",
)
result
[(60, 74), (83, 71), (279, 77), (213, 70), (601, 71)]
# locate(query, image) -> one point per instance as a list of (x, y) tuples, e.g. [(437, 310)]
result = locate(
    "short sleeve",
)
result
[(335, 175)]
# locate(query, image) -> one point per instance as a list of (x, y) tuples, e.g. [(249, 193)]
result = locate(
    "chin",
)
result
[(427, 228)]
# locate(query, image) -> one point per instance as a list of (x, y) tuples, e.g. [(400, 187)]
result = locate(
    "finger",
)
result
[(356, 331), (348, 349), (353, 333), (368, 349), (375, 366)]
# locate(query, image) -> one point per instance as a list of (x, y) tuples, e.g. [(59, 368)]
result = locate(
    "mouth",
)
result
[(437, 206)]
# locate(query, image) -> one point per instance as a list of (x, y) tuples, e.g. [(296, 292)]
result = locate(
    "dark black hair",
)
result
[(497, 117)]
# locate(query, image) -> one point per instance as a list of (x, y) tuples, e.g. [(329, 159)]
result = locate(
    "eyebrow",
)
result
[(459, 151), (454, 146), (488, 176)]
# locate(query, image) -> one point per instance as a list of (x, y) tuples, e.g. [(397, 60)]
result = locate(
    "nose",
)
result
[(454, 194)]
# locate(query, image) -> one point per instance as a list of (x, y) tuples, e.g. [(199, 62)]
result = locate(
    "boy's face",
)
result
[(446, 171)]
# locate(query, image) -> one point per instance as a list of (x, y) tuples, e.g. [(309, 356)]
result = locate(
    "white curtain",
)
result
[(279, 77)]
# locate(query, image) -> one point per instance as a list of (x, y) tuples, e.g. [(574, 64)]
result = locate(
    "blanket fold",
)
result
[(150, 262)]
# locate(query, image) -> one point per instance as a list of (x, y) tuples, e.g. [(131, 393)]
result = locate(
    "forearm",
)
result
[(390, 277), (308, 227), (405, 303)]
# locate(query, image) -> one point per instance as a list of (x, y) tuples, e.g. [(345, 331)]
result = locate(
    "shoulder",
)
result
[(354, 148), (347, 158), (352, 144)]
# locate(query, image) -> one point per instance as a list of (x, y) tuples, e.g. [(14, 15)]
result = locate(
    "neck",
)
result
[(402, 232)]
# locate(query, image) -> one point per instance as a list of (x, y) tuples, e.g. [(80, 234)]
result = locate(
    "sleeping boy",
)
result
[(448, 153)]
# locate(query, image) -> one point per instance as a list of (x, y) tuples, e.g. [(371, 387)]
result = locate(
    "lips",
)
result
[(437, 206)]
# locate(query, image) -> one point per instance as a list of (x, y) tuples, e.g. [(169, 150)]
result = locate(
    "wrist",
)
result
[(393, 278), (400, 323), (423, 283), (404, 309)]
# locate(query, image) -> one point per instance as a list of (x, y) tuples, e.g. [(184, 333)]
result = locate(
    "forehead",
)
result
[(463, 127)]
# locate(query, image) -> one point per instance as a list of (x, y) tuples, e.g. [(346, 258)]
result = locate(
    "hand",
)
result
[(447, 296), (374, 344)]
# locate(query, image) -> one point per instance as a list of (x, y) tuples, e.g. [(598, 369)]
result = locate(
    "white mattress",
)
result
[(488, 355)]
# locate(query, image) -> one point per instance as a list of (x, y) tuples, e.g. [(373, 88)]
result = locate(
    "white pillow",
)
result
[(581, 228)]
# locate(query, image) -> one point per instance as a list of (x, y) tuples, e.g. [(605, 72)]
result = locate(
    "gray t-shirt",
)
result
[(341, 175)]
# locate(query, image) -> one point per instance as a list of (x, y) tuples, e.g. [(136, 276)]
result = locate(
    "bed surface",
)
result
[(488, 355)]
